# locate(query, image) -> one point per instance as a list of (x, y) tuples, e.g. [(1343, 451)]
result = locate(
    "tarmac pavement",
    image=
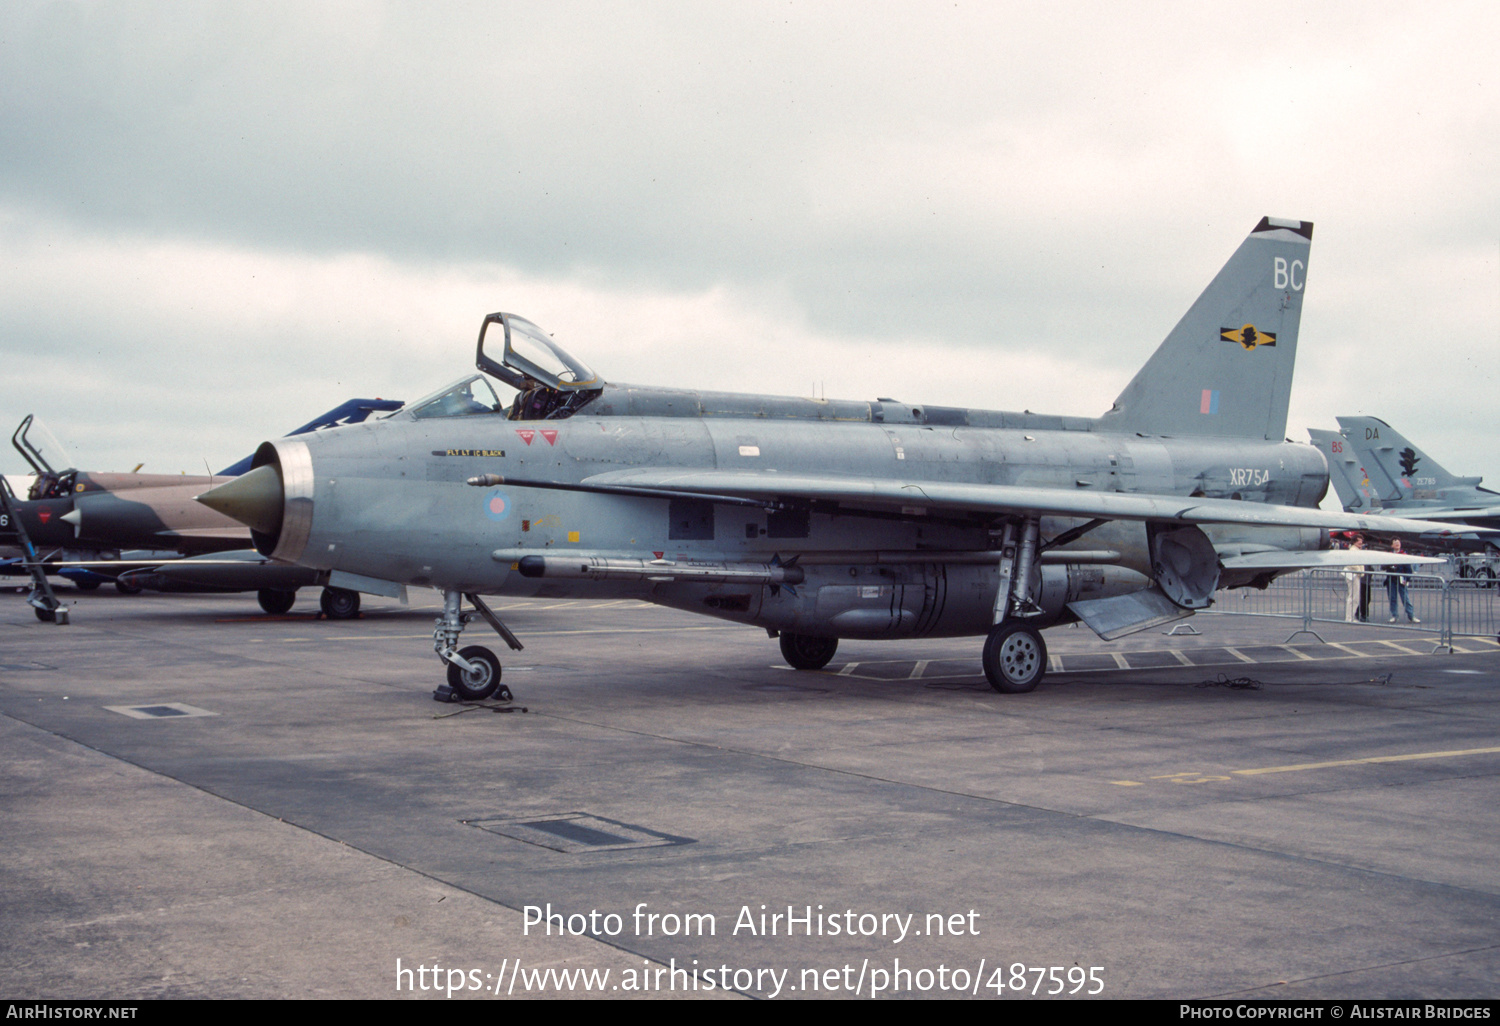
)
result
[(203, 801)]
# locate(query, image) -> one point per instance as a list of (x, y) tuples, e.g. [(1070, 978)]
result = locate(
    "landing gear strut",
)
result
[(474, 671), (1015, 656)]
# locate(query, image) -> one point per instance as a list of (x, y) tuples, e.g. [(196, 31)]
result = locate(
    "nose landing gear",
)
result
[(474, 671), (480, 679)]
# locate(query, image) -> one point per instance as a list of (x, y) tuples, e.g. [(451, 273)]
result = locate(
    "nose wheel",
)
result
[(473, 671), (481, 679)]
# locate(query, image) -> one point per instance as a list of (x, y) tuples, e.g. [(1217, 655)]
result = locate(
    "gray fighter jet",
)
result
[(819, 519)]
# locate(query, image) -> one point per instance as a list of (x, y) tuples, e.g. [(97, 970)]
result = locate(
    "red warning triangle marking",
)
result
[(526, 434), (550, 436)]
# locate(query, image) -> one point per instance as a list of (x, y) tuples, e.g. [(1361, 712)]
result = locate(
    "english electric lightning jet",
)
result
[(820, 519)]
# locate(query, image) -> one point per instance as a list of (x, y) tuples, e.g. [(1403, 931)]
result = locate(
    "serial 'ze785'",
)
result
[(821, 519)]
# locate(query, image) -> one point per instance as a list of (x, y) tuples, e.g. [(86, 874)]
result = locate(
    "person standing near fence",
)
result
[(1357, 600), (1395, 583)]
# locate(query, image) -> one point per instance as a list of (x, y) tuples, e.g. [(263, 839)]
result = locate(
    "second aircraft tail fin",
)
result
[(1400, 469)]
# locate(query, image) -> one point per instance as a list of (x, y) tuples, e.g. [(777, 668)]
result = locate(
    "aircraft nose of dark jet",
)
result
[(254, 499)]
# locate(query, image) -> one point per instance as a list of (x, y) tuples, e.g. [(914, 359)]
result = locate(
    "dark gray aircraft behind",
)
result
[(82, 521), (1374, 468), (819, 520)]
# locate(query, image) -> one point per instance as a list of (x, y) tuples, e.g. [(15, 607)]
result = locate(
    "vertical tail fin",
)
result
[(1403, 471), (1226, 369), (1352, 485)]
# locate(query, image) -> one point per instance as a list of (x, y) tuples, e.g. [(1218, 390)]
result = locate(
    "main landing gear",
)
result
[(1015, 656), (805, 652), (473, 671), (338, 603), (276, 602)]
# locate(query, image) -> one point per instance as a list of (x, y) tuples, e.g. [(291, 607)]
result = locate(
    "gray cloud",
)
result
[(973, 179)]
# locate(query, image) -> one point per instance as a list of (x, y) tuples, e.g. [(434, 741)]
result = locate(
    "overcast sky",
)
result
[(217, 221)]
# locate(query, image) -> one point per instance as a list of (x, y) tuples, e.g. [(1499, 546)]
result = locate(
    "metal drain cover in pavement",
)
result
[(574, 832), (160, 711)]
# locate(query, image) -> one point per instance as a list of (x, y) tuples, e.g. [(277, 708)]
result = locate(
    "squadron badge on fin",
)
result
[(1247, 336)]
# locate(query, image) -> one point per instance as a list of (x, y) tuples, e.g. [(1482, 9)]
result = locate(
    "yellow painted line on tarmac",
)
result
[(1294, 650), (1400, 647), (1364, 762), (1242, 657), (1181, 658), (1487, 644)]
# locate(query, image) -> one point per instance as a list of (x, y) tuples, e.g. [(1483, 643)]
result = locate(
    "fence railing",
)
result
[(1429, 603)]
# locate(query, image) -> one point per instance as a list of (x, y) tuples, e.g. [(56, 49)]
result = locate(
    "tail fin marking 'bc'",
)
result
[(1225, 370)]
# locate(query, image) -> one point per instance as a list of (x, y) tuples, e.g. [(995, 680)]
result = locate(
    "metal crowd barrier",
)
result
[(1443, 604)]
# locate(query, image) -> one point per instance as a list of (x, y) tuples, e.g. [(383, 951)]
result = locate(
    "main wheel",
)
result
[(339, 603), (126, 588), (45, 615), (1485, 576), (805, 652), (275, 602), (1015, 658), (479, 683)]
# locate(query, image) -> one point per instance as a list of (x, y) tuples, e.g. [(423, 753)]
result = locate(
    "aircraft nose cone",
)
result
[(254, 499)]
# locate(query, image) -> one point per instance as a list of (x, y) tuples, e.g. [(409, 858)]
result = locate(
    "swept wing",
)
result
[(918, 497)]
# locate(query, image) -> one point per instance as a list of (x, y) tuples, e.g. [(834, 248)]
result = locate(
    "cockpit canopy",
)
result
[(530, 354), (466, 397), (41, 449), (550, 382)]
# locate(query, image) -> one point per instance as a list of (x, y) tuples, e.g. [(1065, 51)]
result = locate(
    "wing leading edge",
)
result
[(948, 497)]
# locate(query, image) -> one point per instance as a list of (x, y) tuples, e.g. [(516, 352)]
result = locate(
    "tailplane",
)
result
[(1226, 368)]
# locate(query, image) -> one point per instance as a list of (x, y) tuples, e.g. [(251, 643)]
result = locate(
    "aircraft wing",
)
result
[(1324, 559), (916, 497), (1451, 513)]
